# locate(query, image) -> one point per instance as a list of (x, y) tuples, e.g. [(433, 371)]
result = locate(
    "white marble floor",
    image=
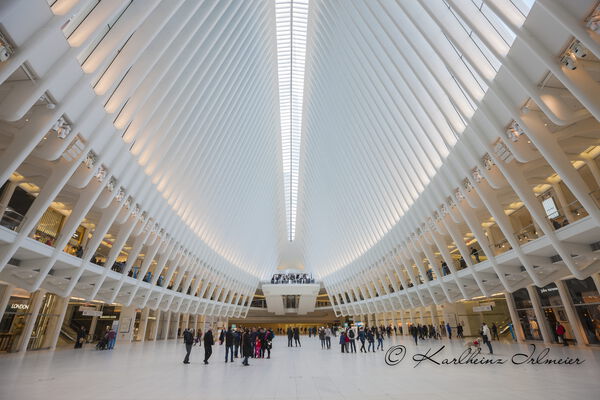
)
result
[(152, 371)]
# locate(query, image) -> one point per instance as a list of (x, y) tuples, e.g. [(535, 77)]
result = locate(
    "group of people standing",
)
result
[(239, 343), (293, 334), (350, 335)]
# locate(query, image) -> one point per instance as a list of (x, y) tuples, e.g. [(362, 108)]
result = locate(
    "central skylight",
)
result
[(291, 18)]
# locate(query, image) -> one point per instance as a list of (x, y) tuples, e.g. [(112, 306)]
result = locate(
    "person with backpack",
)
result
[(188, 340), (352, 338)]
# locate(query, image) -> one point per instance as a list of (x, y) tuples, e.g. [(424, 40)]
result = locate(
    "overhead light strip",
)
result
[(291, 20)]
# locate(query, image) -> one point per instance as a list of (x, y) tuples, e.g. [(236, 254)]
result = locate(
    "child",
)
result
[(257, 348)]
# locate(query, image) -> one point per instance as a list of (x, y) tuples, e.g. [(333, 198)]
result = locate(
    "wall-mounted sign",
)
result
[(18, 306), (488, 303), (482, 308), (92, 313), (86, 308)]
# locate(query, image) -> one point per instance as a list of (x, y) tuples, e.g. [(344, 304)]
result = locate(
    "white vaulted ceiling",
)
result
[(388, 96)]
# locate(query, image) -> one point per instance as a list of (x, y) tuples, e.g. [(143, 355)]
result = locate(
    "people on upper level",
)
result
[(292, 278)]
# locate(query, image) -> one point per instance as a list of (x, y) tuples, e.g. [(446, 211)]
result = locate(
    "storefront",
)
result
[(554, 311), (526, 313), (586, 301), (19, 311)]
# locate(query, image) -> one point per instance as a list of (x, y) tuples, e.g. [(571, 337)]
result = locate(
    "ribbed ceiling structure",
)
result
[(168, 132)]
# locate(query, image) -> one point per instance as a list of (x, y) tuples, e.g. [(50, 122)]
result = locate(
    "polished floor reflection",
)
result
[(153, 371)]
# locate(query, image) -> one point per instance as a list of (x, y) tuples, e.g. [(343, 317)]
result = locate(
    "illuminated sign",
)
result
[(17, 306)]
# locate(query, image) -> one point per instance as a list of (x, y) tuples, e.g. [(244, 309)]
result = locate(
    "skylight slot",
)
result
[(291, 20)]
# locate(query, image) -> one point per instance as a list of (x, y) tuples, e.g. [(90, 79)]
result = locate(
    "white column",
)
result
[(514, 317), (34, 310), (539, 314), (571, 314), (143, 324), (562, 201), (596, 278), (7, 290), (157, 317), (55, 325), (165, 329), (126, 324)]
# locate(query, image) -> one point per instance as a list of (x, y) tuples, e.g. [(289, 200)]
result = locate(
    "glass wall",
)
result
[(587, 306), (554, 310), (529, 322)]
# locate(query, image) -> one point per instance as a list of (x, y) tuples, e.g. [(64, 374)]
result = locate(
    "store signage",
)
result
[(489, 303), (548, 289), (92, 313), (86, 308), (482, 308), (18, 306)]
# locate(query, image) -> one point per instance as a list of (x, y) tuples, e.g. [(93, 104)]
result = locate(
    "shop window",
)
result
[(586, 300)]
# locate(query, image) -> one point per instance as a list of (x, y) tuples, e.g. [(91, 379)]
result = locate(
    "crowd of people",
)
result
[(244, 343), (248, 343), (292, 278)]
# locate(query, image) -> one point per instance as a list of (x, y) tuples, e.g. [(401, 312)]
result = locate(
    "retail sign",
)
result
[(86, 308), (19, 306), (482, 308), (92, 313), (489, 303)]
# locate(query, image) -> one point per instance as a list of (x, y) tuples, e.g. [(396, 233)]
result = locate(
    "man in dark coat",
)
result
[(208, 343), (246, 347), (290, 334), (188, 340), (297, 337), (229, 344)]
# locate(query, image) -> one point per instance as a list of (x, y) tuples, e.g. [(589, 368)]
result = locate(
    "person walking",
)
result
[(362, 337), (328, 337), (297, 337), (414, 332), (449, 330), (269, 336), (229, 339), (485, 333), (246, 347), (380, 335), (80, 337), (188, 340), (495, 332), (322, 338), (208, 344), (290, 335), (371, 340), (560, 332)]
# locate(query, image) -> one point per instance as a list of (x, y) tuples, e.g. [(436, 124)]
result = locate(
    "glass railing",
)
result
[(11, 219)]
